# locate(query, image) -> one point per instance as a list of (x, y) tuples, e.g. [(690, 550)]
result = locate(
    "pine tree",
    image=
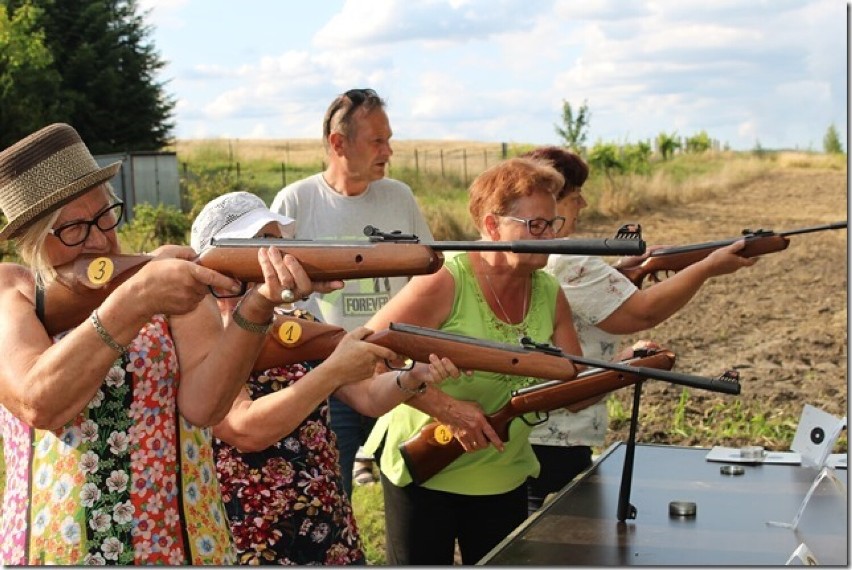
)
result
[(29, 84), (109, 91)]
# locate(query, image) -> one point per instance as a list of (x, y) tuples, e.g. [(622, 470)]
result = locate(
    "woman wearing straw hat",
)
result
[(106, 457)]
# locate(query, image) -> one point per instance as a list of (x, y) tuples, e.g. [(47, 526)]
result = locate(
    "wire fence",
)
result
[(291, 159)]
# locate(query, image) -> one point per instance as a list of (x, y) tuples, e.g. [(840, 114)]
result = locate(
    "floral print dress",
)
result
[(128, 481), (285, 503)]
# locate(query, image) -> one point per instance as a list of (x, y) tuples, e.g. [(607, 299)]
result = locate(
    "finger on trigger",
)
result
[(214, 279)]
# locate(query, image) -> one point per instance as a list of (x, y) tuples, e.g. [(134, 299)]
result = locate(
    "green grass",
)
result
[(369, 507)]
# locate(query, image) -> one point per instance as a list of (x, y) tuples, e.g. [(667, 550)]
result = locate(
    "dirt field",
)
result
[(781, 323)]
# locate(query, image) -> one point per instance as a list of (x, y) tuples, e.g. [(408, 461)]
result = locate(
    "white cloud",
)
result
[(499, 70)]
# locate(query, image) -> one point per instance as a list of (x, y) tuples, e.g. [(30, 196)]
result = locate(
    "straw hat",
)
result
[(44, 171)]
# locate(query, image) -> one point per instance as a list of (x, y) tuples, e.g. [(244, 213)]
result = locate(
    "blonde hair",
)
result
[(496, 190), (30, 242)]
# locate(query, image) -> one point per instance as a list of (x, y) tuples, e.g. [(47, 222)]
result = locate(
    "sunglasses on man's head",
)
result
[(356, 97)]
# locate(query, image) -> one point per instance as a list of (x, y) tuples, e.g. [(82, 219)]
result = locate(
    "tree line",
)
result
[(88, 63)]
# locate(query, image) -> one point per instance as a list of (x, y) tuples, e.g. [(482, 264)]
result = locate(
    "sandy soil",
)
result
[(782, 324)]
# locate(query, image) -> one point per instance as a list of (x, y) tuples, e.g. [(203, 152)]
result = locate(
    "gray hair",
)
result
[(340, 114)]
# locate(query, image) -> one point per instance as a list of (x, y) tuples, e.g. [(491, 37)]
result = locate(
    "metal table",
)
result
[(580, 526)]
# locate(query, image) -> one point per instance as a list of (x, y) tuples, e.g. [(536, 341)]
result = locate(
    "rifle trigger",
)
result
[(529, 344)]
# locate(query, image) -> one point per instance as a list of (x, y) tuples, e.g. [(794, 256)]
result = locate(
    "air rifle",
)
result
[(674, 259), (83, 284), (434, 447)]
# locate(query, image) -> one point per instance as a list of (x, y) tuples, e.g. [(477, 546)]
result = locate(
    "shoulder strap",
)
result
[(39, 302)]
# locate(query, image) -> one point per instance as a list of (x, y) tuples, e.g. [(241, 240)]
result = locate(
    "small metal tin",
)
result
[(682, 509), (753, 452), (731, 470)]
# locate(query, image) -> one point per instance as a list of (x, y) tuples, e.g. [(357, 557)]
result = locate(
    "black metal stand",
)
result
[(625, 509)]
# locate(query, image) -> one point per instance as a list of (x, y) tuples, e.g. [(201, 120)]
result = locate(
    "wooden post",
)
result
[(464, 165)]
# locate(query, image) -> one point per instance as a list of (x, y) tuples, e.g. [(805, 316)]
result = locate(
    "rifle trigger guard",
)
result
[(409, 364), (541, 417), (529, 344)]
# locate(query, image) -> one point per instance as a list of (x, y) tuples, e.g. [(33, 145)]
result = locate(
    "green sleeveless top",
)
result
[(486, 471)]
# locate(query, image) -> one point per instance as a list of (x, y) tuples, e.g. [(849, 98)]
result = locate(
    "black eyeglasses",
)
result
[(537, 226), (356, 97), (75, 233)]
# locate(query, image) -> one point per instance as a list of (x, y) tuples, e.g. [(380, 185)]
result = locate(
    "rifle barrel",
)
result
[(834, 226), (605, 246), (711, 384), (746, 235)]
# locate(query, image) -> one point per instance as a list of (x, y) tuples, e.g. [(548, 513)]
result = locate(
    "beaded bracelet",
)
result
[(105, 336), (412, 392)]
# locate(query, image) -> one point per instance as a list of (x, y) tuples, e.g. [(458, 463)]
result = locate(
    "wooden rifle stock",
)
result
[(466, 353), (293, 339), (86, 282), (674, 259)]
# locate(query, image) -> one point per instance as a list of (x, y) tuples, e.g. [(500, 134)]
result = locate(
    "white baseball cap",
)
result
[(235, 215)]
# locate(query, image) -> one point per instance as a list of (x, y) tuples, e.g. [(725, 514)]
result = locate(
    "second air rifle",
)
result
[(661, 262), (83, 284), (434, 447)]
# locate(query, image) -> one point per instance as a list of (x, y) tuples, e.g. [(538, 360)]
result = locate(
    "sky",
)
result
[(767, 73)]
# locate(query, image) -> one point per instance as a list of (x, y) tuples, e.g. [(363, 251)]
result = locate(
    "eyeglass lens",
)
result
[(76, 233), (537, 226)]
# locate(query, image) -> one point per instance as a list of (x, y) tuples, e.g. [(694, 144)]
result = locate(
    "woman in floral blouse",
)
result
[(276, 457), (107, 457)]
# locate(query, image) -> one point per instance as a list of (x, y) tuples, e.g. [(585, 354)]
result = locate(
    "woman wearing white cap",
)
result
[(276, 457), (107, 459)]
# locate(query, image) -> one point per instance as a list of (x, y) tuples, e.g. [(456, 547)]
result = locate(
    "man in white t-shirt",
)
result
[(604, 305), (337, 203)]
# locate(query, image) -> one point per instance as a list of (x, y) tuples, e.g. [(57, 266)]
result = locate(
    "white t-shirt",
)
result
[(594, 290), (322, 213)]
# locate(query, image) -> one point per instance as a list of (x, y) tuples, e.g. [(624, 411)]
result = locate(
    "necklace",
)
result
[(499, 304)]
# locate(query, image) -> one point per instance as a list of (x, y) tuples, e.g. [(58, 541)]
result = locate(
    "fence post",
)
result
[(464, 165), (485, 157), (442, 163), (238, 171), (284, 173), (504, 150), (416, 163)]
